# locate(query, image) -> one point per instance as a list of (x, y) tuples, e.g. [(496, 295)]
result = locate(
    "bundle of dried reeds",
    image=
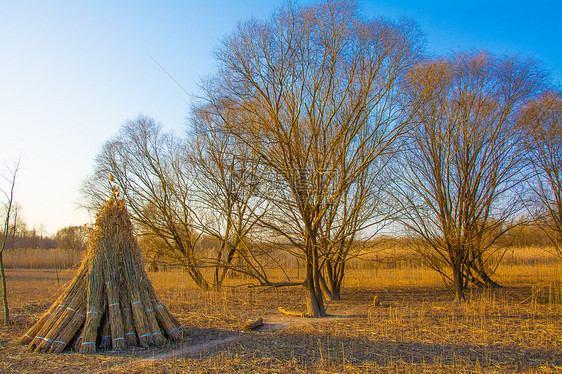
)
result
[(110, 303)]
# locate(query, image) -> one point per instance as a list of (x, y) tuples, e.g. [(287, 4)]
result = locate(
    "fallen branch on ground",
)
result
[(252, 325), (288, 313)]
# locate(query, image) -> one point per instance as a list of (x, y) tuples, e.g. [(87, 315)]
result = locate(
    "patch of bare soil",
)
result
[(271, 323)]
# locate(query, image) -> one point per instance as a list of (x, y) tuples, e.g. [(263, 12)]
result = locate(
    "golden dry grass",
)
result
[(416, 328), (41, 258)]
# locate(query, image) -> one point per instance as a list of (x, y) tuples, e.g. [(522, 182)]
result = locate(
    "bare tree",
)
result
[(542, 118), (312, 92), (149, 167), (18, 226), (180, 190), (72, 238), (229, 205), (461, 160), (8, 202)]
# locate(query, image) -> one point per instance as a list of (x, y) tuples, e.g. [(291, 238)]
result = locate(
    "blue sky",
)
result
[(71, 72)]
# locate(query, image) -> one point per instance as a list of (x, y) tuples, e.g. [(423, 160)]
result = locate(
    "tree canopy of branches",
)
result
[(180, 190), (148, 166), (542, 118), (312, 93), (72, 238), (227, 179), (461, 159)]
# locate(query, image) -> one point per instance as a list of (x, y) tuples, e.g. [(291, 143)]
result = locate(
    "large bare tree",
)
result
[(461, 160), (312, 92), (542, 118)]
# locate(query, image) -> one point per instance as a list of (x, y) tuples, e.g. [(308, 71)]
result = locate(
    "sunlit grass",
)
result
[(415, 329)]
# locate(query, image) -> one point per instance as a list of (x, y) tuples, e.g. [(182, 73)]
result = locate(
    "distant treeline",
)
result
[(68, 238), (75, 238)]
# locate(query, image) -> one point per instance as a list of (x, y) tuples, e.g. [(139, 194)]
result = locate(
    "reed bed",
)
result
[(42, 259), (415, 328)]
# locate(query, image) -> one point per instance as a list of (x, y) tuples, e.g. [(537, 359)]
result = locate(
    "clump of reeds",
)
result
[(110, 303)]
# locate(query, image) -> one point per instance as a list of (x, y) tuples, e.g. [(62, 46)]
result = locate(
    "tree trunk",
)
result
[(4, 295), (331, 282), (4, 237), (458, 283), (339, 272), (153, 265), (336, 291), (489, 282), (217, 282), (313, 291), (197, 277), (314, 304), (325, 288), (482, 279)]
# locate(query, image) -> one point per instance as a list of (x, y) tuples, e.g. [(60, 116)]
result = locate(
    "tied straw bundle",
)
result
[(110, 303)]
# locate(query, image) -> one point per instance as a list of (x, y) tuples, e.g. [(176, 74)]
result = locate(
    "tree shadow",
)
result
[(329, 349)]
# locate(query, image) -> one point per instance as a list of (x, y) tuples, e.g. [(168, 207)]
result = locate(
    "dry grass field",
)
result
[(415, 329)]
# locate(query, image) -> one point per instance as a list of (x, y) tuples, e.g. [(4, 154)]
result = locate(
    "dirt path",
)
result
[(272, 323)]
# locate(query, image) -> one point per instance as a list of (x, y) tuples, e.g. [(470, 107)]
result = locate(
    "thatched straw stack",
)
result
[(110, 303)]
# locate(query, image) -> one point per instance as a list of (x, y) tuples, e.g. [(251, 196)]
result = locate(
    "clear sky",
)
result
[(71, 72)]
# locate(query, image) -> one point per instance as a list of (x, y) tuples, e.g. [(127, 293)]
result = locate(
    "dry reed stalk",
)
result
[(116, 325), (169, 323), (71, 298), (115, 318), (132, 279), (71, 329), (158, 338), (95, 302), (140, 321), (75, 283), (105, 342), (79, 339), (46, 326), (32, 332), (128, 326), (67, 315), (156, 316)]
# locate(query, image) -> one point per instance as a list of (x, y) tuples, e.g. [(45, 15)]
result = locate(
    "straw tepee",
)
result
[(110, 303)]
